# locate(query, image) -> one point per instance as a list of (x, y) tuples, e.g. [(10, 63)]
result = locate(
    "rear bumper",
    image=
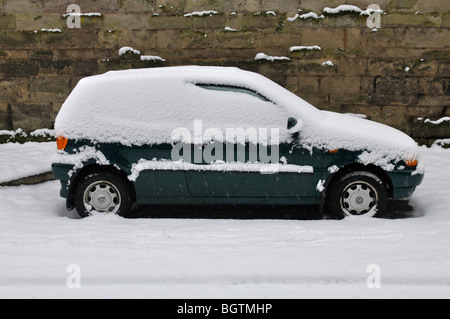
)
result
[(404, 183)]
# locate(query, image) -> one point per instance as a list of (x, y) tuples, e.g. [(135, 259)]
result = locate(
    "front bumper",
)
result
[(404, 183), (62, 173)]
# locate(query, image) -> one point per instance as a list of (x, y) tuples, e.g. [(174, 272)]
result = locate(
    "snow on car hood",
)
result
[(144, 106), (380, 144)]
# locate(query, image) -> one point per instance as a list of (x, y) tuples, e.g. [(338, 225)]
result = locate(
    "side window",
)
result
[(228, 88), (232, 108)]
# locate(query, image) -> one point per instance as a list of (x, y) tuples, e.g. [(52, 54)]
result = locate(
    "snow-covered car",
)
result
[(218, 135)]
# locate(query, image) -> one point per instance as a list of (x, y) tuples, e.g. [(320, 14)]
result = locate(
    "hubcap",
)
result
[(103, 197), (358, 198)]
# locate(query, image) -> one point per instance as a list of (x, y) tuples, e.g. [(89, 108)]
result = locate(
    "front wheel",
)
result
[(102, 192), (357, 193)]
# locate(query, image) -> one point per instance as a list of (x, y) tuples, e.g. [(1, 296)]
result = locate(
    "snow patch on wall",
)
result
[(263, 56)]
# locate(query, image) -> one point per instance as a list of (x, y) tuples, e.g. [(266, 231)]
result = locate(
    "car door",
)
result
[(247, 165)]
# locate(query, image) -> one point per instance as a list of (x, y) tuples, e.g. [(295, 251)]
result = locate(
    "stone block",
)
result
[(58, 6), (308, 85), (169, 23), (445, 20), (427, 38), (421, 68), (215, 22), (252, 6), (292, 83), (51, 66), (167, 39), (385, 67), (402, 53), (126, 21), (383, 38), (29, 116), (395, 116), (331, 38), (7, 21), (24, 7), (252, 21), (50, 88), (352, 100), (191, 39), (406, 19), (18, 68), (443, 68), (71, 39), (92, 22), (14, 54), (170, 7), (48, 21), (86, 68), (318, 100), (353, 38), (235, 40), (378, 99), (206, 5), (137, 6), (15, 89), (315, 67), (424, 112), (390, 85), (434, 100), (352, 67), (277, 39), (340, 84), (100, 6), (80, 54), (19, 40), (137, 39)]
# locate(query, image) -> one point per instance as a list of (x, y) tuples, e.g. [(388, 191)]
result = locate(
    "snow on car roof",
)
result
[(144, 106)]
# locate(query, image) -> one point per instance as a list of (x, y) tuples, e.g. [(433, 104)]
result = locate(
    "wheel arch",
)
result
[(379, 172), (95, 168)]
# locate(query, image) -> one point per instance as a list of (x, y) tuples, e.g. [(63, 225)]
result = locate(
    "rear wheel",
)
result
[(357, 193), (102, 192)]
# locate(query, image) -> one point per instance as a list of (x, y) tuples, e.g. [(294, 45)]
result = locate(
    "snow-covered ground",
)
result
[(23, 160), (43, 248)]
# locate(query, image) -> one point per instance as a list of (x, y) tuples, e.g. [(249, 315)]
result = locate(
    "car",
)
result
[(201, 135)]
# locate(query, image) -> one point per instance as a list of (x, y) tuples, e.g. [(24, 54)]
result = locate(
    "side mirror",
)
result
[(292, 122)]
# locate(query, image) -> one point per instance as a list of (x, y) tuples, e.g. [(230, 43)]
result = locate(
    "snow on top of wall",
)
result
[(152, 58), (263, 56), (145, 106), (231, 29), (349, 8), (125, 50), (80, 14), (201, 13), (309, 15), (303, 47), (437, 122), (51, 30)]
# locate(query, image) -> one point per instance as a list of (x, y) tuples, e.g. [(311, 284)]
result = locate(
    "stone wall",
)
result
[(398, 74)]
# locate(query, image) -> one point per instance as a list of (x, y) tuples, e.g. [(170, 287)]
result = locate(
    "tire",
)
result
[(103, 192), (357, 193)]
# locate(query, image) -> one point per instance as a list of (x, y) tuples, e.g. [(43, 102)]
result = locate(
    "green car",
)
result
[(216, 136)]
